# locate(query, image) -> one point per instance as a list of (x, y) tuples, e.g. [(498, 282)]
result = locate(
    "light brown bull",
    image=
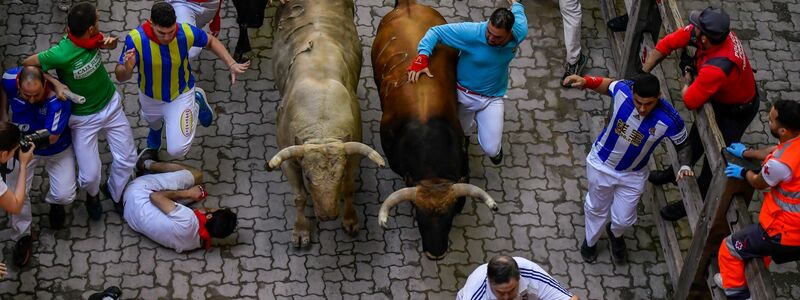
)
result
[(420, 132), (317, 62)]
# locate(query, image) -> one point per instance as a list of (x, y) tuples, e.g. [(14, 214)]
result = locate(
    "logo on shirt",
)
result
[(187, 118), (766, 170), (635, 138), (738, 50), (85, 70)]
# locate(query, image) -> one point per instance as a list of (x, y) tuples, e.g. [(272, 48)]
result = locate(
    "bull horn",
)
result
[(404, 194), (284, 155), (360, 148), (466, 189)]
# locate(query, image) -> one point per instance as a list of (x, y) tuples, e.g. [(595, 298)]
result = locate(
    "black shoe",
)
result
[(589, 254), (117, 204), (57, 216), (573, 69), (93, 207), (23, 250), (144, 155), (111, 292), (660, 177), (497, 159), (618, 24), (619, 251), (673, 211)]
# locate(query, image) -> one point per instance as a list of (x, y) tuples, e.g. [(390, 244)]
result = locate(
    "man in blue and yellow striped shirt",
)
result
[(159, 48)]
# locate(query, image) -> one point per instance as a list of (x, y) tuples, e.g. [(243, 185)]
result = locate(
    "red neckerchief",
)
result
[(205, 237), (89, 43), (148, 31)]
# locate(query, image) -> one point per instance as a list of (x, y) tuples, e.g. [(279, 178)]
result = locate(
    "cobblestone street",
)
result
[(539, 187)]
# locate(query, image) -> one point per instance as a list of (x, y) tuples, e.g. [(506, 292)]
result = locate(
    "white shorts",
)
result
[(179, 117), (487, 114), (609, 188)]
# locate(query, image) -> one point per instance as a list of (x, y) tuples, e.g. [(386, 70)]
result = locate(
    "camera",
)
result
[(40, 138)]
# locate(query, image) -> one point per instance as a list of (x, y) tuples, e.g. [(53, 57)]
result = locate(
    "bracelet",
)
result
[(592, 82), (744, 173), (684, 168), (231, 65)]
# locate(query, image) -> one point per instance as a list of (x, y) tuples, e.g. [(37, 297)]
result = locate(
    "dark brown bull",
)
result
[(420, 132)]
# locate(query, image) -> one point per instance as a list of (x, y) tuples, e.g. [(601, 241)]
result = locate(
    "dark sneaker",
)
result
[(661, 177), (117, 205), (497, 159), (205, 113), (113, 293), (618, 24), (144, 155), (573, 69), (589, 254), (57, 216), (673, 211), (154, 139), (619, 251), (22, 251), (93, 207)]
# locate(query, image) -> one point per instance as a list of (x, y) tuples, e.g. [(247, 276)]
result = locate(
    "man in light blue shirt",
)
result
[(486, 49)]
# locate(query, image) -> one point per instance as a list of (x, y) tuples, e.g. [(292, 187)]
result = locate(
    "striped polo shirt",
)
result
[(629, 139), (164, 70), (534, 284)]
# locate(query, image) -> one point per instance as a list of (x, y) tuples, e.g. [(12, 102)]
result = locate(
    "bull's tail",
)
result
[(401, 3)]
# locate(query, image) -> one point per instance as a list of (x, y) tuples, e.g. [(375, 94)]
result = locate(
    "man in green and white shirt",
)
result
[(76, 59)]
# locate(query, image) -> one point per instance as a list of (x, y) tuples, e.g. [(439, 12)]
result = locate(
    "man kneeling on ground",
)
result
[(151, 207)]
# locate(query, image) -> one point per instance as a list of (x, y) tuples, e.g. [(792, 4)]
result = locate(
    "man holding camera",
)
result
[(43, 119), (719, 72), (154, 206)]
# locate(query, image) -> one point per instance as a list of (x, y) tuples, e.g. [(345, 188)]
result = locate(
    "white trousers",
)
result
[(609, 188), (85, 129), (196, 14), (571, 18), (180, 116), (60, 169), (487, 114)]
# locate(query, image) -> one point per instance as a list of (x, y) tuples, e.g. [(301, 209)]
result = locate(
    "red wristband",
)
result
[(592, 82), (421, 62)]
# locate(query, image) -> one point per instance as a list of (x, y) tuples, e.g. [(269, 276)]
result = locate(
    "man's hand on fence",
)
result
[(735, 171), (737, 149), (684, 172)]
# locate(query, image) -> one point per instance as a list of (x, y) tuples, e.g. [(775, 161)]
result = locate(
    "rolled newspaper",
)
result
[(74, 97)]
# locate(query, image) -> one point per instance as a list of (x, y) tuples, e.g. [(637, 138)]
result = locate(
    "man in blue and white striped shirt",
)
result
[(507, 278), (616, 165)]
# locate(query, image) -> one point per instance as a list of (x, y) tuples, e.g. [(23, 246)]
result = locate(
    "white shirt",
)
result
[(775, 172), (176, 230), (534, 284)]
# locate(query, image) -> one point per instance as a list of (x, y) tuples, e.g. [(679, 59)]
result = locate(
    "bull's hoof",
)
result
[(300, 238), (351, 226)]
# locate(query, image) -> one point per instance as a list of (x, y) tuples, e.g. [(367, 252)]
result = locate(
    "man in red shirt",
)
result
[(721, 74)]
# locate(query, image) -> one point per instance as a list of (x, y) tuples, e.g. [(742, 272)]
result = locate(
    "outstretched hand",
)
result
[(574, 81), (413, 76), (238, 68)]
